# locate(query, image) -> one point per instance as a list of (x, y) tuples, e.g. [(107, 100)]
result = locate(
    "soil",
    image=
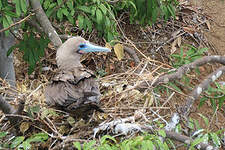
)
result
[(215, 12)]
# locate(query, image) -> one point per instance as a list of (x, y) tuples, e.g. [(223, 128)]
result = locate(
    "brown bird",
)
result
[(74, 89)]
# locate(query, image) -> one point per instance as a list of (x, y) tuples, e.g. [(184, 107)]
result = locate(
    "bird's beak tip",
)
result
[(93, 48)]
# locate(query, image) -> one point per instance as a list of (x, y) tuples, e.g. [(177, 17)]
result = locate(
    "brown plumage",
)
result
[(74, 89)]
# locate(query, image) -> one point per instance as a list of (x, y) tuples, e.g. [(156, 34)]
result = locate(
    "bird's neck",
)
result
[(68, 64)]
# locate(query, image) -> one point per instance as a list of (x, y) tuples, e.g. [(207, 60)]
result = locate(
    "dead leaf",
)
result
[(173, 46), (189, 30), (107, 45), (119, 51), (24, 127), (208, 24), (179, 41)]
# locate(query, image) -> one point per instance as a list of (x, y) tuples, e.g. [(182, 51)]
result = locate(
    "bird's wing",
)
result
[(75, 87)]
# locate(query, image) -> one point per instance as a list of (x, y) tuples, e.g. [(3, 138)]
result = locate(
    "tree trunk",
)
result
[(6, 63)]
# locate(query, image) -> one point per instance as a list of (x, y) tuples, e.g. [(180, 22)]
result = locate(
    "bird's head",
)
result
[(69, 53)]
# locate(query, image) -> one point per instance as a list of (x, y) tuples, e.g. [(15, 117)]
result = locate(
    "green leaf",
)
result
[(206, 120), (77, 145), (38, 137), (147, 145), (175, 87), (0, 5), (105, 138), (23, 5), (18, 7), (18, 140), (65, 12), (84, 9), (103, 8), (216, 139), (5, 25), (10, 13), (60, 14), (89, 145), (26, 145), (99, 16), (70, 5), (11, 50), (3, 134), (162, 133), (59, 2), (9, 19), (89, 24), (202, 101), (70, 18), (80, 21), (197, 141)]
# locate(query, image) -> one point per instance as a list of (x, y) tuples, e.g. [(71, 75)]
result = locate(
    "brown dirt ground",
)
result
[(215, 11)]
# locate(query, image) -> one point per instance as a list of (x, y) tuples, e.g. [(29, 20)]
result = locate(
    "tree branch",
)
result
[(181, 71), (45, 23), (9, 109), (185, 110), (19, 22)]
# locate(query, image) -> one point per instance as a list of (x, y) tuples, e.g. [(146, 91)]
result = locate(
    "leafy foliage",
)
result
[(145, 142), (216, 96), (101, 14), (32, 48), (149, 10), (191, 55), (89, 14), (21, 142), (7, 12), (201, 135)]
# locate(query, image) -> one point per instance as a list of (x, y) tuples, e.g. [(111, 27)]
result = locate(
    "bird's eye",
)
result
[(82, 45)]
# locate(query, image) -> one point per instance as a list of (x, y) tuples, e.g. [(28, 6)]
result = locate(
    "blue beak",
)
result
[(87, 47)]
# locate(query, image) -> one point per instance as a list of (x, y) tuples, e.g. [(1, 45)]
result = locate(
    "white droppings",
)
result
[(49, 34), (209, 147), (125, 128), (54, 32), (199, 90), (214, 78), (219, 73)]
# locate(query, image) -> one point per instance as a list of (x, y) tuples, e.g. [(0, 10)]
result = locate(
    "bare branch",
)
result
[(132, 53), (45, 23), (185, 110), (182, 70), (9, 109), (181, 138), (19, 22)]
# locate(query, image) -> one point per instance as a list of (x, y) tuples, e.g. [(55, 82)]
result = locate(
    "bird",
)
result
[(73, 88)]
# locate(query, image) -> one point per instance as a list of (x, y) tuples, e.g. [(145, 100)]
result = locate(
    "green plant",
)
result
[(20, 142), (191, 55), (145, 142), (215, 95), (90, 14), (7, 12), (204, 135), (32, 48), (149, 10)]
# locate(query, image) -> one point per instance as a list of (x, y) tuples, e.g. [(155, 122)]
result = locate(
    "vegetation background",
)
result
[(150, 40)]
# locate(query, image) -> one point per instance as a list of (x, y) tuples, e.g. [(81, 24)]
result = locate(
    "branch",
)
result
[(9, 109), (181, 138), (185, 110), (19, 22), (126, 128), (132, 53), (182, 70), (45, 23)]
